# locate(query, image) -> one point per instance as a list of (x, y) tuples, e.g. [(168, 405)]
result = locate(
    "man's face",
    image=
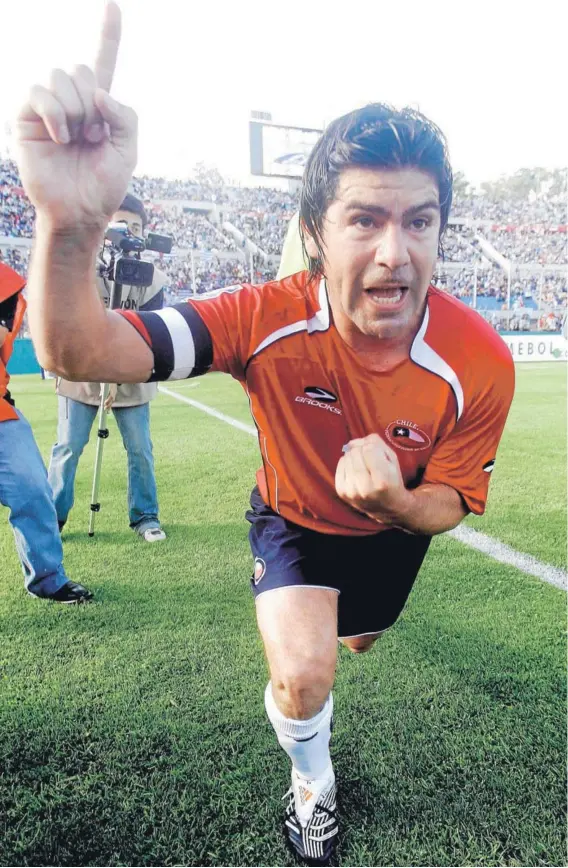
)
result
[(380, 238), (134, 222)]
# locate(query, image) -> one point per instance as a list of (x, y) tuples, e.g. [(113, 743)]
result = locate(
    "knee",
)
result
[(30, 494), (137, 444), (360, 644), (68, 450), (70, 443), (301, 689)]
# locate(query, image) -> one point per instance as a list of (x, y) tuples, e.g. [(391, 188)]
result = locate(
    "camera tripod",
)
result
[(102, 431)]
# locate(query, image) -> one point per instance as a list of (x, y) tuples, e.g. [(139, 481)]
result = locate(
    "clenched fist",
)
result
[(368, 478), (76, 146)]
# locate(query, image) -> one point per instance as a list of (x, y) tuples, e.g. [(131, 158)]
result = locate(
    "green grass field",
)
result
[(133, 732)]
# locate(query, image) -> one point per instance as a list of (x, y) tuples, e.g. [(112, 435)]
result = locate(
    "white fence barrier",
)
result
[(537, 348)]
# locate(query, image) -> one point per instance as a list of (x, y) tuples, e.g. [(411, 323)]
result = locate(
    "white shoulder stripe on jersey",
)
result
[(213, 293), (317, 323), (426, 357), (182, 340)]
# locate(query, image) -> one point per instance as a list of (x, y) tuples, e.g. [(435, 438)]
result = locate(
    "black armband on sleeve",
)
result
[(179, 339)]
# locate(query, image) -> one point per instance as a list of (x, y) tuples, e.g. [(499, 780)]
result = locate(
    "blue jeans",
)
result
[(73, 430), (24, 489)]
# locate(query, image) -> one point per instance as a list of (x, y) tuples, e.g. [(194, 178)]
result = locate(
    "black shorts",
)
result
[(373, 574)]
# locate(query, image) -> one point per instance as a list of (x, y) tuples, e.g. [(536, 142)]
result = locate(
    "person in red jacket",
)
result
[(24, 488)]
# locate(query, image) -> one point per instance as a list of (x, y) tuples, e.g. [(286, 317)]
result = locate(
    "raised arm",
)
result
[(76, 154)]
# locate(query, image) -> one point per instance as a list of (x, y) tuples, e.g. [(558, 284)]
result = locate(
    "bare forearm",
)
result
[(429, 509), (67, 321), (3, 335), (75, 336)]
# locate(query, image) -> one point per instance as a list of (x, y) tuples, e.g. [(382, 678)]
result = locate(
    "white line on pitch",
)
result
[(212, 412), (499, 551), (506, 555)]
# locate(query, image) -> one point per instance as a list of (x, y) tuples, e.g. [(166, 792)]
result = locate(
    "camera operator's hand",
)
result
[(76, 146), (111, 397)]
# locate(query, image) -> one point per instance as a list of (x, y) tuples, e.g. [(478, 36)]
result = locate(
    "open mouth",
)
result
[(390, 296)]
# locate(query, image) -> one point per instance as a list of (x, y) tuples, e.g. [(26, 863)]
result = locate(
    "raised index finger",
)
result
[(107, 52)]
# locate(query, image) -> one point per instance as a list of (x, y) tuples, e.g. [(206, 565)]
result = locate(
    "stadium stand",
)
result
[(224, 234)]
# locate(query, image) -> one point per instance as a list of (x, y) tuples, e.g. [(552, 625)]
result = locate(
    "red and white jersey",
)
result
[(442, 410)]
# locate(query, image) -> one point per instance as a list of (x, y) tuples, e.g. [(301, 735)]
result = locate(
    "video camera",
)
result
[(125, 267)]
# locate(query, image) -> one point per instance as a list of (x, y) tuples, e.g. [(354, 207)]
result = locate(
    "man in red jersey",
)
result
[(379, 401)]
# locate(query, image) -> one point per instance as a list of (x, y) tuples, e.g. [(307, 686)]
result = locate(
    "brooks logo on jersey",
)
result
[(320, 394), (301, 400)]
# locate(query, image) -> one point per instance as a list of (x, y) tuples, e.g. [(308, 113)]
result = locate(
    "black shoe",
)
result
[(70, 593), (315, 842), (62, 524)]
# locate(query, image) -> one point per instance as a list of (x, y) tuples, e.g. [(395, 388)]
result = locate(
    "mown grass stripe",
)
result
[(489, 546)]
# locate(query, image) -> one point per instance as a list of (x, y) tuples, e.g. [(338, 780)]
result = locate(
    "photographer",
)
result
[(23, 481), (78, 404)]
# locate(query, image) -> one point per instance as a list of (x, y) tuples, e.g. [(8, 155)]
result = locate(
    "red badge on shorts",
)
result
[(407, 436)]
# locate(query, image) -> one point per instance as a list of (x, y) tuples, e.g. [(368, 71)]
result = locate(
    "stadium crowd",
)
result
[(539, 244), (206, 255), (16, 215), (209, 273), (190, 230), (17, 258), (545, 210), (459, 246), (262, 215), (535, 303), (154, 189)]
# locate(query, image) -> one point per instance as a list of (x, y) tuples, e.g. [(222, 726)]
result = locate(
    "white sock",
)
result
[(305, 741)]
